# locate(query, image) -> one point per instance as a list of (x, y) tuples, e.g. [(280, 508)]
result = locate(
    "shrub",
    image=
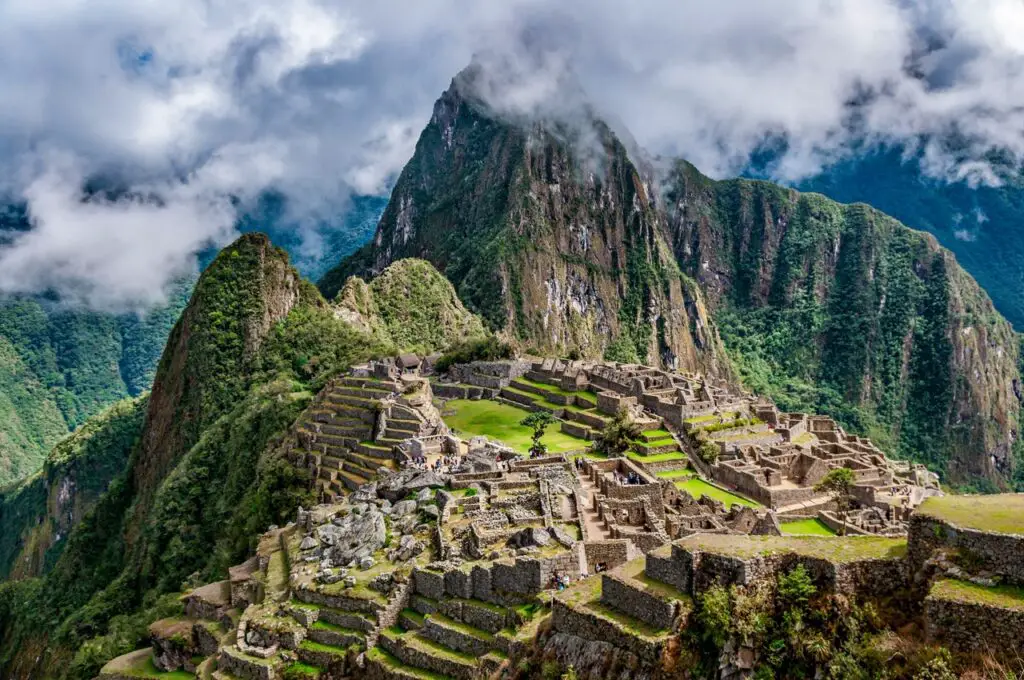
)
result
[(618, 434), (795, 588), (715, 615), (488, 349), (623, 351), (708, 452)]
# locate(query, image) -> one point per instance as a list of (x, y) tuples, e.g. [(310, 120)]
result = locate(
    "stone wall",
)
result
[(610, 402), (641, 605), (611, 553), (999, 553), (869, 578), (974, 627), (589, 627)]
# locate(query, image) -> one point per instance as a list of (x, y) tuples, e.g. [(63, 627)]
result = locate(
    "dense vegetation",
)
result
[(230, 384), (37, 514), (979, 224), (60, 366), (382, 308), (840, 309), (790, 629)]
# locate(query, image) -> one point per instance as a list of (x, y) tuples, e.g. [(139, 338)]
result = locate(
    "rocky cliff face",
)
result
[(882, 324), (555, 238)]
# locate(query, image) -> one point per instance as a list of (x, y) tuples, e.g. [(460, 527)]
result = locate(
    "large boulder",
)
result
[(353, 536), (403, 508)]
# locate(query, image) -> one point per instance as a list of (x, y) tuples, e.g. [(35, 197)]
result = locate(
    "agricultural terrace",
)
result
[(1003, 513), (697, 488), (500, 422), (833, 548)]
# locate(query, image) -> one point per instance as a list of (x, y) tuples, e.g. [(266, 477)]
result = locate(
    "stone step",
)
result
[(591, 420), (351, 480), (337, 451), (526, 399), (331, 463), (412, 426), (457, 635), (363, 392), (373, 450), (355, 402), (410, 619), (415, 650), (368, 462), (385, 665), (327, 474), (654, 448), (631, 591), (580, 608), (532, 389), (655, 435), (476, 614), (359, 470), (373, 383), (332, 411), (578, 430), (357, 621), (234, 661), (319, 654), (344, 430), (338, 636), (343, 411), (342, 441)]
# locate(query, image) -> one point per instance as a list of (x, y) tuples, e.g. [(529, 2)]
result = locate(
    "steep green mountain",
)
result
[(381, 307), (59, 366), (38, 514), (981, 225), (558, 243), (843, 309), (564, 243), (209, 471)]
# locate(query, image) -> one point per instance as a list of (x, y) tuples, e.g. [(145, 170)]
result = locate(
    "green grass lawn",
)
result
[(839, 549), (501, 422), (999, 512), (806, 527), (669, 457), (685, 473), (698, 487), (1008, 597)]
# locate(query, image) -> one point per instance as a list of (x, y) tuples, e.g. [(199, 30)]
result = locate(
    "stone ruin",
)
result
[(408, 566)]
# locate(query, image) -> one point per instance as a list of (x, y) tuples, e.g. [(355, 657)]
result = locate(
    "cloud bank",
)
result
[(195, 107)]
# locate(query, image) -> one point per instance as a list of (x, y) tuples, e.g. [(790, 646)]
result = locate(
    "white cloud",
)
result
[(195, 100)]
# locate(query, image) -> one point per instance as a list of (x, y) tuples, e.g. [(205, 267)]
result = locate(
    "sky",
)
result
[(197, 106)]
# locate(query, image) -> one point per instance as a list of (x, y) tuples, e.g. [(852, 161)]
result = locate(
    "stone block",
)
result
[(428, 583)]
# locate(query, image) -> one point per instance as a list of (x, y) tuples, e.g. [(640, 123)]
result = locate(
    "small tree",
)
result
[(618, 434), (538, 421), (839, 483)]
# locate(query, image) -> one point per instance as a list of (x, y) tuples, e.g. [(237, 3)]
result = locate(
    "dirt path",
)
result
[(595, 528)]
